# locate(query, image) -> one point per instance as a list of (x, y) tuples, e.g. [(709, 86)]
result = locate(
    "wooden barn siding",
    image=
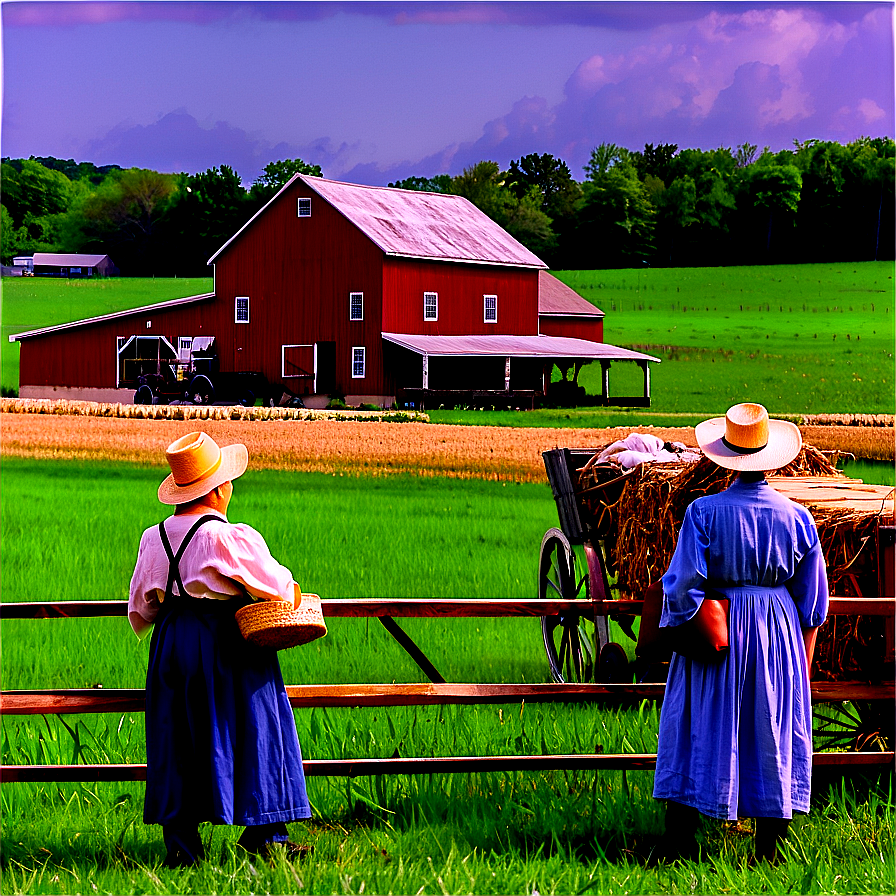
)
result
[(572, 327), (86, 356), (460, 288), (298, 273)]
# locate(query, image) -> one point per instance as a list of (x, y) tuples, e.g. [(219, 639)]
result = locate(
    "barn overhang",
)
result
[(565, 352), (547, 347)]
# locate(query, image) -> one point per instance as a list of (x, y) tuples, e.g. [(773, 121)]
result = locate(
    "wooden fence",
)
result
[(33, 702)]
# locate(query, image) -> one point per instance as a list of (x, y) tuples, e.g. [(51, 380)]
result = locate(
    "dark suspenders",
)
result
[(174, 559)]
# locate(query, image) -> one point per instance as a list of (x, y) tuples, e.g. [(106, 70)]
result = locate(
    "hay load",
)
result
[(641, 526)]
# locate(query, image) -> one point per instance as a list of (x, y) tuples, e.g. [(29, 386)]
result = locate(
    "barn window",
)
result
[(491, 309), (359, 362), (430, 306), (184, 344), (356, 306), (304, 208), (241, 310)]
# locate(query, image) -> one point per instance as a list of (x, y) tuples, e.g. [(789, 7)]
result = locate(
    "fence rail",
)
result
[(410, 607), (92, 700)]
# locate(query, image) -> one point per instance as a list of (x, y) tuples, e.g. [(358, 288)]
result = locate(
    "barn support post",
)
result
[(507, 374), (605, 380), (645, 367), (425, 371)]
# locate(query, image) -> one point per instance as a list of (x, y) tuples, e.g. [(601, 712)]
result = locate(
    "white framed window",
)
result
[(359, 362), (304, 209), (241, 310), (430, 306), (490, 309), (356, 306)]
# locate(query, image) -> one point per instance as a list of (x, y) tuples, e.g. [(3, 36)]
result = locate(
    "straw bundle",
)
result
[(644, 524), (643, 528)]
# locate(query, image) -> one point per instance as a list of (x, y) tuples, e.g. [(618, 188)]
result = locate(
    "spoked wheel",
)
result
[(862, 726), (568, 638)]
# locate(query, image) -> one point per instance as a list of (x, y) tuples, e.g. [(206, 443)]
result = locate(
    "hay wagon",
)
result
[(617, 534)]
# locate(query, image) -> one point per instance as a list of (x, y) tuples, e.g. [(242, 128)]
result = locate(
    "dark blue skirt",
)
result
[(221, 742)]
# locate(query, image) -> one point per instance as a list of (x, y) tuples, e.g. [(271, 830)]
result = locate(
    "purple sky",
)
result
[(374, 92)]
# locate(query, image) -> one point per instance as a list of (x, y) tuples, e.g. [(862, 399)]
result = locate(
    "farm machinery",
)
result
[(192, 374)]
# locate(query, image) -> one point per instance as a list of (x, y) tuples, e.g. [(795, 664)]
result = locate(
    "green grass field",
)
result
[(71, 531), (797, 338)]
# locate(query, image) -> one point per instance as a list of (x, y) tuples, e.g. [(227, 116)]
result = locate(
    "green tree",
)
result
[(485, 185), (276, 175), (9, 238), (31, 189), (768, 192), (440, 183)]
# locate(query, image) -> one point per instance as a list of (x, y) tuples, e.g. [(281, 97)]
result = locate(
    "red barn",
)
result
[(369, 292)]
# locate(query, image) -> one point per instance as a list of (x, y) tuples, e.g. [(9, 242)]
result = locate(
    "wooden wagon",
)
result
[(617, 534)]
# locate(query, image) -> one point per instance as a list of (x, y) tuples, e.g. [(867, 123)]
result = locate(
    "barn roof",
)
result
[(68, 259), (413, 224), (515, 347), (556, 298), (144, 309)]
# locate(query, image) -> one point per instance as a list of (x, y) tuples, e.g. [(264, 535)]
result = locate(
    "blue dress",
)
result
[(221, 741), (735, 737)]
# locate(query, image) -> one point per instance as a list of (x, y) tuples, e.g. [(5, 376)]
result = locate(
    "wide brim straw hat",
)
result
[(746, 439), (199, 465)]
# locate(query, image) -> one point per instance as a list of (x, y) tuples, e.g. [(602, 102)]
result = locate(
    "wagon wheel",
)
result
[(201, 390), (861, 726), (247, 399), (143, 395), (568, 638)]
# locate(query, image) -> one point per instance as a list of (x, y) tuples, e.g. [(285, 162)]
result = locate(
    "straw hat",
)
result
[(745, 439), (198, 466)]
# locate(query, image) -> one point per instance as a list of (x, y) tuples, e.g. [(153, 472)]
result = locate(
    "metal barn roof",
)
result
[(412, 224), (556, 298), (73, 325), (515, 347), (70, 259)]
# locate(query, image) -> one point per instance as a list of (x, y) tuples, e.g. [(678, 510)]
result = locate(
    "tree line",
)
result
[(820, 201)]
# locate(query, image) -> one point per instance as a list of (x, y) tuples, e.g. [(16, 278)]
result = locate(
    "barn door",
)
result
[(297, 368)]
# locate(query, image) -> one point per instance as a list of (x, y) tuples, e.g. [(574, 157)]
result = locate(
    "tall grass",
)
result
[(73, 528)]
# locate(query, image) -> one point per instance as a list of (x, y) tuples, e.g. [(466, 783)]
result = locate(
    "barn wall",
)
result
[(591, 328), (298, 274), (460, 288), (87, 356)]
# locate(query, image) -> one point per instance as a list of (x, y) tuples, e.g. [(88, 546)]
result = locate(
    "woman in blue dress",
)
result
[(735, 736), (221, 742)]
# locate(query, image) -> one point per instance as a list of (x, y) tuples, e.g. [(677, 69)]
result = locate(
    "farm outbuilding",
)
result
[(72, 265), (374, 293)]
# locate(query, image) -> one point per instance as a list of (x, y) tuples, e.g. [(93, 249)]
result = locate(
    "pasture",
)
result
[(801, 339), (71, 530)]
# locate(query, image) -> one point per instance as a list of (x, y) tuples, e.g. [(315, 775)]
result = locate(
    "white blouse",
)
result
[(222, 561)]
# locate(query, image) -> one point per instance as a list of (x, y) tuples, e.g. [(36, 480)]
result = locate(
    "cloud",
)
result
[(625, 15), (757, 75)]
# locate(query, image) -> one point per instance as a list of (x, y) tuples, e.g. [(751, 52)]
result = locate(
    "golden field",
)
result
[(376, 448)]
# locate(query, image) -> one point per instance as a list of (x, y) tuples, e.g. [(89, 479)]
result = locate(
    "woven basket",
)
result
[(276, 624)]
